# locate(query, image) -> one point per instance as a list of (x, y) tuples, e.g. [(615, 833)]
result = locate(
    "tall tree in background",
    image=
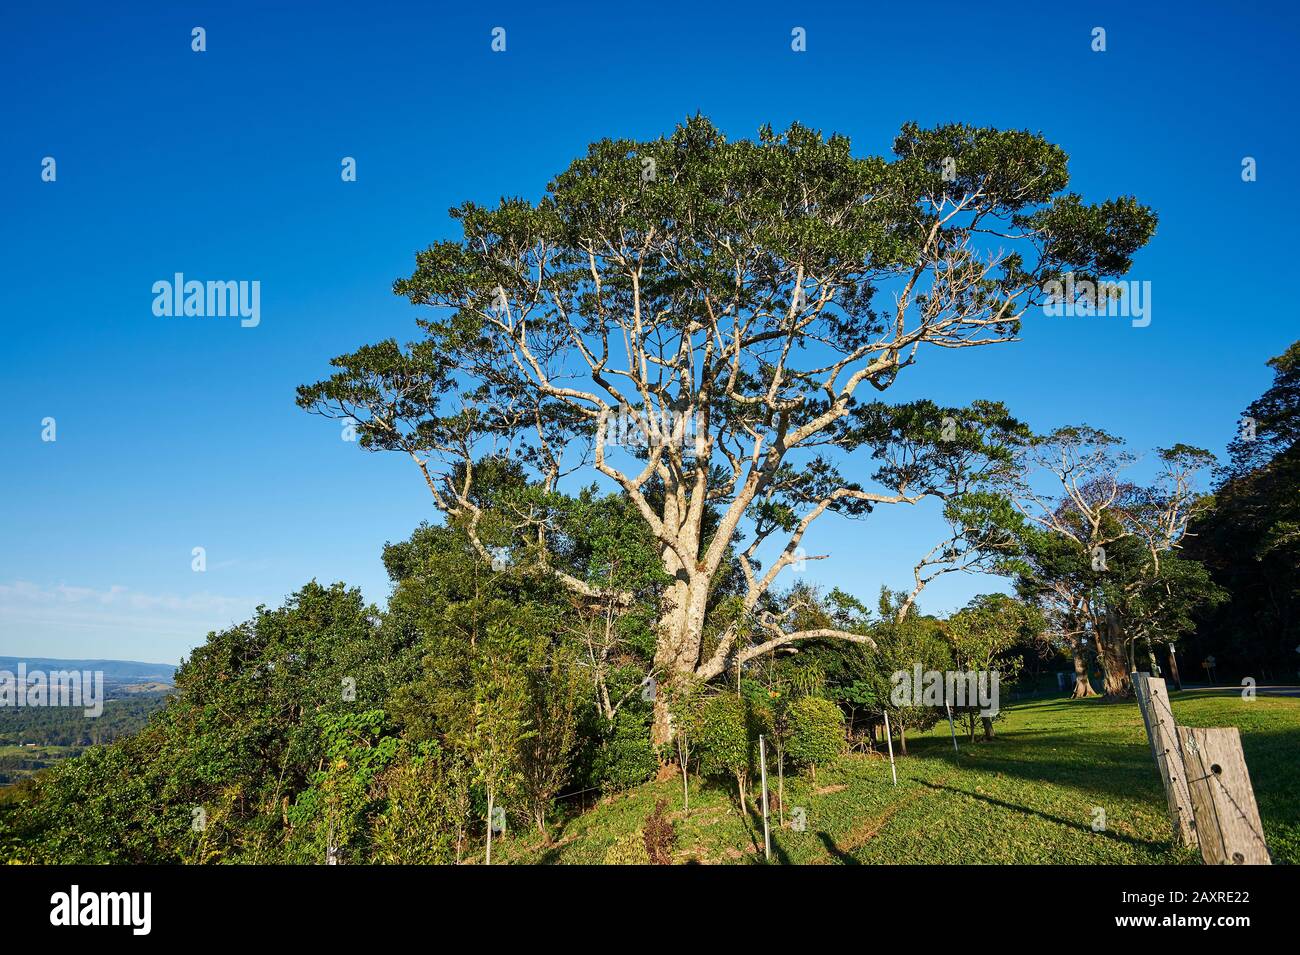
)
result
[(1103, 555), (1157, 587), (1053, 576), (1081, 510), (725, 302)]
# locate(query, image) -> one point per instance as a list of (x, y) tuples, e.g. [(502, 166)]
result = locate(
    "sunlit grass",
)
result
[(1030, 796)]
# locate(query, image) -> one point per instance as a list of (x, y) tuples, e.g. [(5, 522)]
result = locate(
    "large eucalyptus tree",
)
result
[(697, 319)]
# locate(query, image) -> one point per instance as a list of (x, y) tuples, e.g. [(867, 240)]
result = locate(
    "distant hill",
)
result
[(33, 739), (115, 671), (151, 687)]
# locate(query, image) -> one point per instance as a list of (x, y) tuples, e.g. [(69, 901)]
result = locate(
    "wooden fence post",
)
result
[(1139, 681), (767, 833), (1227, 819), (889, 740), (1153, 699)]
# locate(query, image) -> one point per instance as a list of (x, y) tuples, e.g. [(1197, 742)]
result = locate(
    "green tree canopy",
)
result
[(695, 318)]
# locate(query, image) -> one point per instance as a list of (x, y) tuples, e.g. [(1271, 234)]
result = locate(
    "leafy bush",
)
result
[(816, 731), (626, 757), (722, 736), (726, 730), (421, 822), (333, 809)]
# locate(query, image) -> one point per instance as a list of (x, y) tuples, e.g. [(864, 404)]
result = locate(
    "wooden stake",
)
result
[(1223, 800), (780, 787), (1139, 681), (762, 765), (889, 739)]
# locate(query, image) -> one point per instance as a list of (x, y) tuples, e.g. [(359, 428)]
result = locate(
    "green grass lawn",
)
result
[(1030, 796)]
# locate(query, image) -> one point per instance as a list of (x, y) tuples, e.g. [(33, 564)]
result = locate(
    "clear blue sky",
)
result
[(177, 433)]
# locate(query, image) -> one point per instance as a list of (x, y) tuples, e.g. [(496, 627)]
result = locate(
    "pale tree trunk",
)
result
[(677, 653), (1082, 686), (672, 627), (667, 650), (489, 827), (680, 630), (988, 727), (660, 730)]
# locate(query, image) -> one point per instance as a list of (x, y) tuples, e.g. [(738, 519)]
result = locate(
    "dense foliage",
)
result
[(1250, 541)]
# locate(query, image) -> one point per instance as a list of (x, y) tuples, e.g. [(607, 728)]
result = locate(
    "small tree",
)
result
[(330, 816), (724, 745), (984, 635), (418, 825), (816, 732), (544, 752), (497, 728), (685, 709), (902, 645)]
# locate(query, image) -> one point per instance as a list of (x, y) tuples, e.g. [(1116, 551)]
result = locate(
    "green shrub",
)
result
[(626, 757), (419, 823), (726, 731), (722, 737), (816, 731), (334, 808)]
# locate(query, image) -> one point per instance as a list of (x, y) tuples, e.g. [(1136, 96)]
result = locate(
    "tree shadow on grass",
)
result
[(1059, 820), (832, 847), (778, 850), (753, 823), (1101, 767), (751, 820), (551, 856)]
